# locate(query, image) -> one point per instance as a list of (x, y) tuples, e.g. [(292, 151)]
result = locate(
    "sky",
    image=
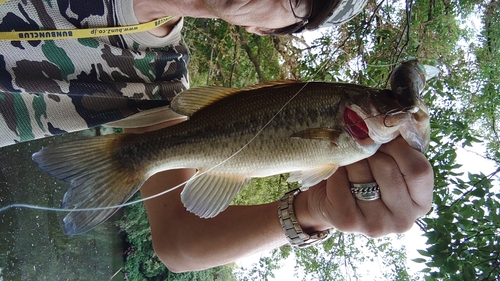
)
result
[(413, 239)]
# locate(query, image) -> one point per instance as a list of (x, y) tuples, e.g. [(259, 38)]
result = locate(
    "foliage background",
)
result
[(463, 227)]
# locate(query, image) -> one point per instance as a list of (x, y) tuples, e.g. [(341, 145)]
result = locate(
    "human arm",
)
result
[(185, 242)]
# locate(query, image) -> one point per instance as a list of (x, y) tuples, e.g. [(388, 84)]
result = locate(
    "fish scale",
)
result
[(219, 142), (231, 136)]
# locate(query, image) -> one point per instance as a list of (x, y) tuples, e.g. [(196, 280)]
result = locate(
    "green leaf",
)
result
[(426, 270), (478, 192), (432, 237), (424, 253), (452, 265), (419, 260), (469, 272)]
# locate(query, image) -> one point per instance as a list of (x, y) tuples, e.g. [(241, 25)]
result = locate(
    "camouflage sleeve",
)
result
[(50, 87)]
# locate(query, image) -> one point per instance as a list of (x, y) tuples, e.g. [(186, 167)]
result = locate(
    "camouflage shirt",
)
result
[(49, 87)]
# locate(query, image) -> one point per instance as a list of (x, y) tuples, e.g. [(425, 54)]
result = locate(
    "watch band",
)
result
[(293, 232)]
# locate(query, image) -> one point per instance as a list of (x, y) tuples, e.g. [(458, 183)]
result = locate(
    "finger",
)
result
[(375, 216), (342, 209), (393, 189), (416, 171), (362, 172), (359, 172)]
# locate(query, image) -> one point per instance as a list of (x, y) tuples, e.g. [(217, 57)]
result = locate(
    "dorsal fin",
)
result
[(192, 100), (270, 83)]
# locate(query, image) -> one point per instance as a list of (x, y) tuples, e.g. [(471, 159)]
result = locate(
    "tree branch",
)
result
[(421, 224), (252, 58), (465, 194)]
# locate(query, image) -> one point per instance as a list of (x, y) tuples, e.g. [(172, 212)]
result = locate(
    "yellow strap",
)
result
[(33, 35)]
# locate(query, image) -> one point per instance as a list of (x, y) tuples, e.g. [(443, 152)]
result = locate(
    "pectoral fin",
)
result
[(206, 195), (313, 176), (295, 177), (328, 134)]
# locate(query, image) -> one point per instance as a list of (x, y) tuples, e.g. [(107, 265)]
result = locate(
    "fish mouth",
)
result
[(355, 124)]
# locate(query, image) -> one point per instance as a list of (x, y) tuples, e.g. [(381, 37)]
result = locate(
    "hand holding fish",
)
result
[(309, 130), (184, 242), (306, 129), (405, 178)]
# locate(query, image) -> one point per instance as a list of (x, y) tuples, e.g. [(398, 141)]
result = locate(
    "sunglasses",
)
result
[(296, 27)]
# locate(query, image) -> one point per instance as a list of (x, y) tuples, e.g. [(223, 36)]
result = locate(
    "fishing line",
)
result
[(54, 209), (386, 115), (382, 65), (394, 112), (28, 206), (198, 174)]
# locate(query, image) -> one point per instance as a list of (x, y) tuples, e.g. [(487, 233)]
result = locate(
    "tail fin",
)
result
[(98, 177)]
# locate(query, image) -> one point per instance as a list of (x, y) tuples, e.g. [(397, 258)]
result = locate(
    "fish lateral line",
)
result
[(89, 181), (82, 214)]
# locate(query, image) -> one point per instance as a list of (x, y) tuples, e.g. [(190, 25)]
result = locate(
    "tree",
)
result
[(141, 262), (462, 229)]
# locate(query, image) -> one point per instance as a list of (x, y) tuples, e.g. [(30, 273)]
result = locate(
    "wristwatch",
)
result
[(293, 232)]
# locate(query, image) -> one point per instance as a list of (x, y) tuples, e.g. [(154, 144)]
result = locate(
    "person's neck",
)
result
[(148, 10)]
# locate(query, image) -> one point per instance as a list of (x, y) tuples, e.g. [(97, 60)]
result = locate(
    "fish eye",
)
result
[(390, 94)]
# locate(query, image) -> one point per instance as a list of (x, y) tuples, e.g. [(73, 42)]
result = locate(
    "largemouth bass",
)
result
[(308, 129)]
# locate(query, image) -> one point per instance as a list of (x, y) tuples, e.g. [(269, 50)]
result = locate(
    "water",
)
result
[(32, 243)]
